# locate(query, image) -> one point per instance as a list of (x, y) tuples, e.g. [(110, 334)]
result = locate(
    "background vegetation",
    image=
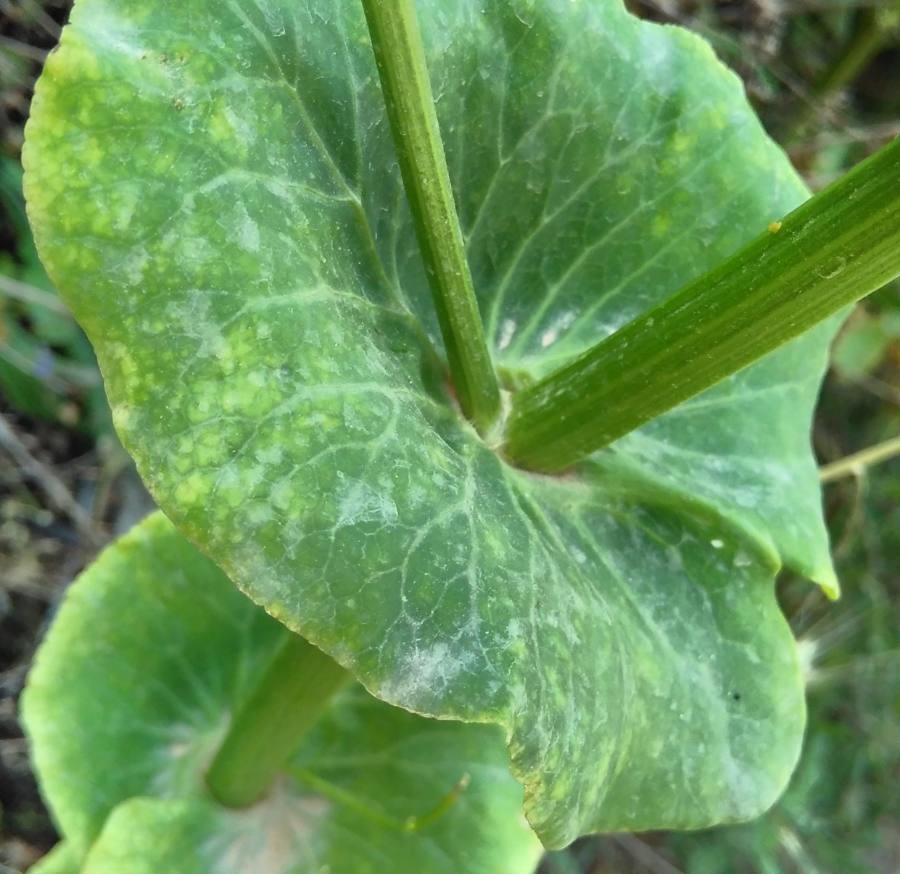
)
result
[(825, 77)]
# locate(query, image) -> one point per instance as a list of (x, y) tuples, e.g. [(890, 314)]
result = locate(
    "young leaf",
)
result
[(215, 190), (132, 693)]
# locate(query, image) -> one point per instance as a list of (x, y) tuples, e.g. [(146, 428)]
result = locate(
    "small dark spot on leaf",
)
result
[(736, 696)]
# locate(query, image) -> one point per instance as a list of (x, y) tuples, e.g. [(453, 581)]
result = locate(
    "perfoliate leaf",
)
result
[(214, 188), (132, 692)]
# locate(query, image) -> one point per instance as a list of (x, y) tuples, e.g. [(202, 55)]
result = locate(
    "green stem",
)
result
[(872, 32), (858, 463), (839, 246), (265, 732), (400, 57), (874, 28)]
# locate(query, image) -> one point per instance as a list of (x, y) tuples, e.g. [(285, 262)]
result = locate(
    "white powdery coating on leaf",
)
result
[(426, 672), (359, 502)]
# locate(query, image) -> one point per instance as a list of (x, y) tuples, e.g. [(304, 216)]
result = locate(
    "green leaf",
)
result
[(147, 836), (214, 188), (131, 694)]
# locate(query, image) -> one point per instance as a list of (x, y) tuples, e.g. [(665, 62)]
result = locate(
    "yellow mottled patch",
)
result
[(681, 142), (123, 416), (561, 791), (163, 161), (206, 456), (199, 409), (662, 222), (257, 378), (91, 151), (282, 495), (717, 120), (218, 125), (193, 489), (231, 489), (128, 367), (79, 62)]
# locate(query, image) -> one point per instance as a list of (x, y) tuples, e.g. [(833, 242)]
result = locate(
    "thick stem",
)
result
[(266, 730), (400, 57), (839, 246)]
